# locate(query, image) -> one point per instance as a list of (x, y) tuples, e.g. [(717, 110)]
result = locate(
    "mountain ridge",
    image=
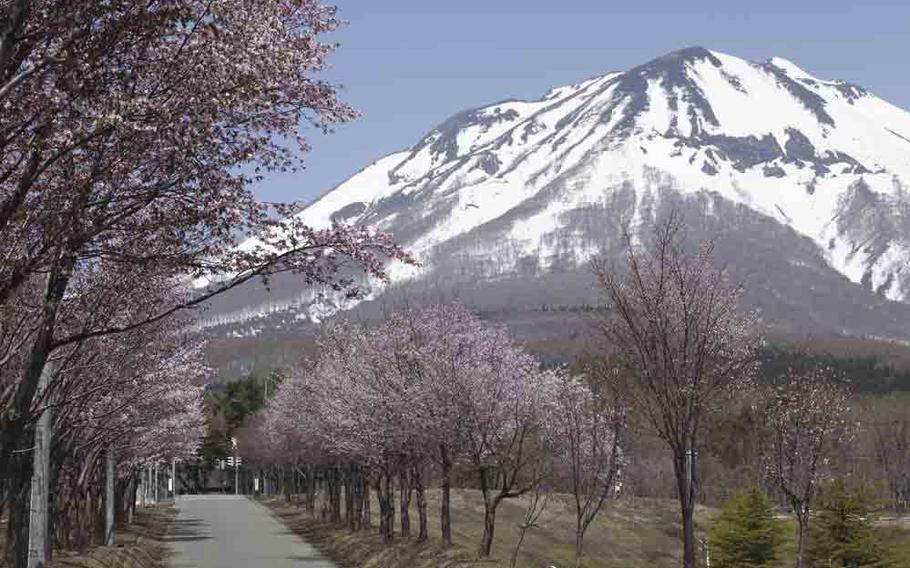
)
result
[(518, 188)]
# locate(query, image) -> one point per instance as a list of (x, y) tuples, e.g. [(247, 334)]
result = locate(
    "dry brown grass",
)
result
[(629, 533), (140, 545)]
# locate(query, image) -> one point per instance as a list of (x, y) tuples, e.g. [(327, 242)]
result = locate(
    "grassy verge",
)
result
[(365, 549), (895, 534), (629, 533), (139, 545)]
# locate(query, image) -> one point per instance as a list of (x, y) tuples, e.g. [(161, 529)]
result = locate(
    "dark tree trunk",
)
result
[(357, 491), (489, 528), (422, 533), (404, 492), (387, 507), (684, 471), (802, 524), (19, 497), (311, 492), (688, 535), (336, 496), (489, 514), (326, 494), (15, 418), (386, 520), (131, 506), (445, 518), (55, 509), (85, 525), (349, 498), (367, 519), (579, 546)]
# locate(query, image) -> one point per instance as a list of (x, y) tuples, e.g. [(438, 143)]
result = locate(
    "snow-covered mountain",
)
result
[(805, 181)]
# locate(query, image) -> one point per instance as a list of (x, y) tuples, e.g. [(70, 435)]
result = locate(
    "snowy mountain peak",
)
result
[(790, 68), (532, 187)]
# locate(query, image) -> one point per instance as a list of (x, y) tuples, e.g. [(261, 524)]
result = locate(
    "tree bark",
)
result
[(367, 522), (326, 495), (489, 514), (386, 493), (802, 523), (350, 517), (16, 416), (422, 531), (336, 496), (684, 469), (17, 14), (404, 491), (311, 492), (109, 498), (357, 490), (383, 505), (18, 494), (131, 506), (489, 527), (445, 518)]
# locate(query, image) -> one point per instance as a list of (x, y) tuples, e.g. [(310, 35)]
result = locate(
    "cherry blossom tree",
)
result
[(504, 411), (104, 102), (674, 324), (129, 134), (807, 416), (290, 423), (427, 346), (126, 400), (127, 130), (364, 402), (428, 385), (472, 393), (336, 414), (588, 424)]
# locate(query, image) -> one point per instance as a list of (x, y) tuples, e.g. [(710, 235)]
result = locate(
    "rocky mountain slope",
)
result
[(803, 181)]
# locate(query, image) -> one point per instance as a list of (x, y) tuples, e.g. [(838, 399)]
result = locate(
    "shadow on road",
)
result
[(186, 530)]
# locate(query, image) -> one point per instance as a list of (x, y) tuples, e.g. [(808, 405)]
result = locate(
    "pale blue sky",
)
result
[(409, 64)]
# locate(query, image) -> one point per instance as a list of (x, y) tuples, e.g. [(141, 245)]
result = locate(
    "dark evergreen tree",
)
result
[(746, 534), (843, 534)]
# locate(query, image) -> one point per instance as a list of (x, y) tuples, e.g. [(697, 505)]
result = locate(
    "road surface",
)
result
[(227, 531)]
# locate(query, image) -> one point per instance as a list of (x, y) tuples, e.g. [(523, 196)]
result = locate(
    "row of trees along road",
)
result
[(430, 390), (126, 131)]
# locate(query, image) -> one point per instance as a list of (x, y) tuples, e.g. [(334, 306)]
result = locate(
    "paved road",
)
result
[(226, 531)]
